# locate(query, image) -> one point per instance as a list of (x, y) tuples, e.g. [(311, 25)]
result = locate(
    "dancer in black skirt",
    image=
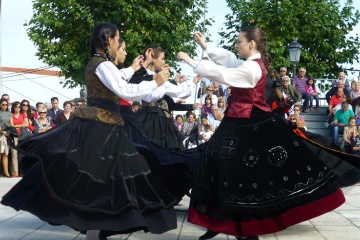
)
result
[(86, 173), (256, 175)]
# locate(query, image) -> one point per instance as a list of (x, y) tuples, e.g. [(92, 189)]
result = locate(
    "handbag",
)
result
[(25, 134)]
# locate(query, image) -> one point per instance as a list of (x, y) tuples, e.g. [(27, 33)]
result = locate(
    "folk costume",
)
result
[(87, 173), (256, 176)]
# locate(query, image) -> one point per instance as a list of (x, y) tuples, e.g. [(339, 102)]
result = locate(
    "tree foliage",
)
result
[(321, 26), (61, 29)]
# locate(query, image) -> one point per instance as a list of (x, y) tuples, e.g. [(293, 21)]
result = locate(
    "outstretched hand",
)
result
[(197, 79), (200, 39), (161, 77), (137, 63), (181, 56)]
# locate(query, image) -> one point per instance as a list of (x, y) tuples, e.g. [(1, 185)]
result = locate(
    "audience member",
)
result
[(26, 111), (80, 103), (289, 91), (5, 141), (314, 94), (218, 91), (349, 133), (300, 121), (206, 108), (355, 144), (190, 125), (66, 114), (38, 105), (206, 134), (283, 71), (48, 105), (135, 106), (300, 82), (43, 123), (204, 121), (210, 90), (335, 103), (339, 83), (221, 106), (355, 95), (7, 97), (352, 88), (341, 119), (215, 117), (179, 122), (55, 110)]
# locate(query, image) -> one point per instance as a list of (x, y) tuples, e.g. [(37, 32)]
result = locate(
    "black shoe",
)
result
[(209, 234), (248, 238)]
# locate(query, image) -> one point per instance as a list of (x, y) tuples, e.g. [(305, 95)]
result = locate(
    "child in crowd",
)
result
[(311, 89), (206, 134)]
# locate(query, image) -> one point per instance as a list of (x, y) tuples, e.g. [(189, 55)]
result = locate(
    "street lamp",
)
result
[(294, 53)]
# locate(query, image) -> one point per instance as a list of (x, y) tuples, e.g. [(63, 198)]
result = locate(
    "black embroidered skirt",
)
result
[(256, 176), (88, 175)]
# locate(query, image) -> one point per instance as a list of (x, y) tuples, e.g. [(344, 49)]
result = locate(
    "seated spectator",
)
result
[(221, 106), (210, 90), (179, 122), (311, 89), (204, 121), (299, 83), (215, 117), (341, 119), (355, 95), (349, 133), (357, 115), (227, 97), (206, 108), (300, 121), (206, 134), (352, 88), (190, 126), (218, 91), (43, 123), (335, 103), (355, 144), (340, 83)]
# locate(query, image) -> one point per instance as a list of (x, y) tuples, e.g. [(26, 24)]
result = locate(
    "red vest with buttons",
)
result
[(244, 99)]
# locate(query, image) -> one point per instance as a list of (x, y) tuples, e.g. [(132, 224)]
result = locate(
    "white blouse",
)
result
[(115, 80), (227, 69)]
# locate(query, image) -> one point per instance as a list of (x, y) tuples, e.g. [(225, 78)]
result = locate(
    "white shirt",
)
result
[(115, 80), (227, 69), (181, 90)]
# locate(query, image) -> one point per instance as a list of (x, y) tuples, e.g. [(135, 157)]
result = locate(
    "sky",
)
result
[(17, 50)]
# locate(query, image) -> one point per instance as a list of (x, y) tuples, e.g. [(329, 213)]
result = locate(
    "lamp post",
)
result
[(294, 53)]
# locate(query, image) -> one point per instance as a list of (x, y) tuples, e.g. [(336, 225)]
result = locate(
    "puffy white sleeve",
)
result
[(115, 80), (180, 90), (229, 71)]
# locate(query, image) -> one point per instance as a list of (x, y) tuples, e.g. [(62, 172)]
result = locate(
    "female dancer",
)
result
[(268, 180), (90, 176)]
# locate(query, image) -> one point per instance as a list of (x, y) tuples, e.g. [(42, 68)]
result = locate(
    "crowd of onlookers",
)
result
[(19, 120)]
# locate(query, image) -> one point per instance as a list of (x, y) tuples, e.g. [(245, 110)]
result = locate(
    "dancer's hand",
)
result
[(197, 106), (181, 56), (137, 63), (200, 39), (197, 79), (161, 77)]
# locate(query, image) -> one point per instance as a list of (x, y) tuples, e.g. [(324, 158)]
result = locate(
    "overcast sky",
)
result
[(18, 51)]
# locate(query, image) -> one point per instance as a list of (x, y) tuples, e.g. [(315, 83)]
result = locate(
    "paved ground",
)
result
[(341, 224)]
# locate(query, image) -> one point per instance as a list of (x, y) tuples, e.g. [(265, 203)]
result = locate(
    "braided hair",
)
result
[(100, 36), (156, 48)]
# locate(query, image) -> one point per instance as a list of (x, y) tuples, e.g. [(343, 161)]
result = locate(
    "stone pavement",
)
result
[(341, 224)]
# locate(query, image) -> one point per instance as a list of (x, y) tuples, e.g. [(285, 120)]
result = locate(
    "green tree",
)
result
[(61, 29), (321, 26)]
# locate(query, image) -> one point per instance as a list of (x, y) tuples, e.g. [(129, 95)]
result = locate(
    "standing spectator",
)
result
[(135, 106), (190, 126), (48, 105), (355, 95), (206, 108), (283, 71), (300, 82), (18, 121), (355, 144), (55, 110), (339, 83), (43, 123), (341, 119), (5, 116), (7, 97), (66, 114), (179, 122), (311, 89), (80, 104), (26, 111), (228, 97), (210, 90), (352, 88), (357, 115), (349, 133), (38, 105)]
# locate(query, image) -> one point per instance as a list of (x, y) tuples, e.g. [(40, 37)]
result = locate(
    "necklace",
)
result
[(102, 55)]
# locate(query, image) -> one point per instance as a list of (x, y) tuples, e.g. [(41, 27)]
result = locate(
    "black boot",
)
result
[(209, 234), (248, 238)]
